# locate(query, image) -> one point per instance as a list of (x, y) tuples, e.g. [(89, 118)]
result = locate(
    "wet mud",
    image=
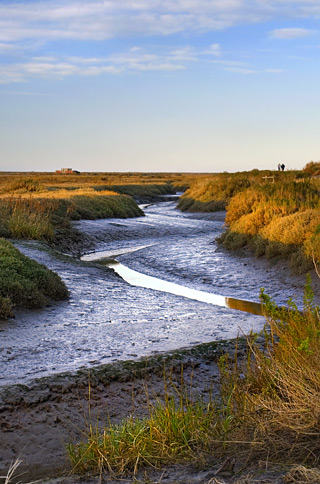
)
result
[(107, 319)]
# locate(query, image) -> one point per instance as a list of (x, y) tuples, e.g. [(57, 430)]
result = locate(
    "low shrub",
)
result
[(24, 282)]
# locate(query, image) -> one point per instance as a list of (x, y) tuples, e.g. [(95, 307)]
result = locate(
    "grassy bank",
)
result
[(37, 216), (24, 282), (267, 409), (280, 219), (36, 205), (276, 214)]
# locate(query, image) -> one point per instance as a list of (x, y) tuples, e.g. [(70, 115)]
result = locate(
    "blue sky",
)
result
[(159, 85)]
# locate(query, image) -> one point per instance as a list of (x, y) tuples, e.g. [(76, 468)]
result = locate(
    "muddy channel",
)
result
[(108, 319)]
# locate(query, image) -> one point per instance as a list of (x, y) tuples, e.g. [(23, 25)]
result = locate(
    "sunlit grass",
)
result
[(178, 428)]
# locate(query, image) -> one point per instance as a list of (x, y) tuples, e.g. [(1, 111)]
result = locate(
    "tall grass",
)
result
[(37, 217), (10, 476), (276, 392), (177, 429), (212, 193)]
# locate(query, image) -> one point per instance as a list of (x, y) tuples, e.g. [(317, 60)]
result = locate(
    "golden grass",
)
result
[(61, 193), (302, 475), (8, 181)]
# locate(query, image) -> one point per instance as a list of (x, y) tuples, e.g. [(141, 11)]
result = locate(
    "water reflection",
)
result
[(137, 279)]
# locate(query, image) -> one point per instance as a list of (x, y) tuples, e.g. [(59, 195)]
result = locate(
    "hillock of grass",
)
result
[(24, 283), (277, 220)]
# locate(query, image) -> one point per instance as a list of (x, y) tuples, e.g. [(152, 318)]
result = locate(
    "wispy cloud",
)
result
[(32, 31), (290, 33), (133, 60), (98, 19)]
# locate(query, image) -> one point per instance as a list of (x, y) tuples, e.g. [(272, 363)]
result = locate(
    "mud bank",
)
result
[(37, 420)]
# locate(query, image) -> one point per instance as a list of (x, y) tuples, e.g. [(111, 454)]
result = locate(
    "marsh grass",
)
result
[(10, 476), (24, 282), (36, 205), (276, 391), (178, 428), (280, 219), (38, 216)]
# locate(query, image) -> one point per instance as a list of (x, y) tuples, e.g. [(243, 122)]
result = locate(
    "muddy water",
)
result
[(108, 319)]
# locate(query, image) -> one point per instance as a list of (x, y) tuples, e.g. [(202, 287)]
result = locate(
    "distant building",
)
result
[(67, 171)]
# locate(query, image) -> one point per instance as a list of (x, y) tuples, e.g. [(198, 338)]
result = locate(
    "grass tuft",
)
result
[(177, 429)]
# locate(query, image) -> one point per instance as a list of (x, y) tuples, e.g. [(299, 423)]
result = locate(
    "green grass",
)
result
[(25, 283), (138, 191), (177, 429)]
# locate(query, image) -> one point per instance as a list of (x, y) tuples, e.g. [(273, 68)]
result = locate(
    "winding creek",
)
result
[(116, 316)]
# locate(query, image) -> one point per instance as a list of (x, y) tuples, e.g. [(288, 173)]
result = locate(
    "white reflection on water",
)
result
[(137, 279), (142, 280)]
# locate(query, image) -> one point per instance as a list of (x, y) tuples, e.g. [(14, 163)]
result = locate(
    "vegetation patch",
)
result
[(275, 213), (176, 430), (268, 408), (25, 283), (212, 192), (39, 217), (145, 192)]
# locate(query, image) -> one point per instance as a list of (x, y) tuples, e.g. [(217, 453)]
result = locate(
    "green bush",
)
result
[(24, 282)]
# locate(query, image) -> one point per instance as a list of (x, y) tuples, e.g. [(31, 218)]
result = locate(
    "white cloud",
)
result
[(6, 48), (133, 60), (290, 33), (99, 20), (214, 49), (27, 26), (242, 70)]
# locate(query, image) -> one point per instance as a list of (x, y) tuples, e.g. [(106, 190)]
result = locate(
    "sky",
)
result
[(159, 85)]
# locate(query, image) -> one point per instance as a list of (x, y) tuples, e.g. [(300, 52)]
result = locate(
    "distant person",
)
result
[(283, 167), (279, 167)]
